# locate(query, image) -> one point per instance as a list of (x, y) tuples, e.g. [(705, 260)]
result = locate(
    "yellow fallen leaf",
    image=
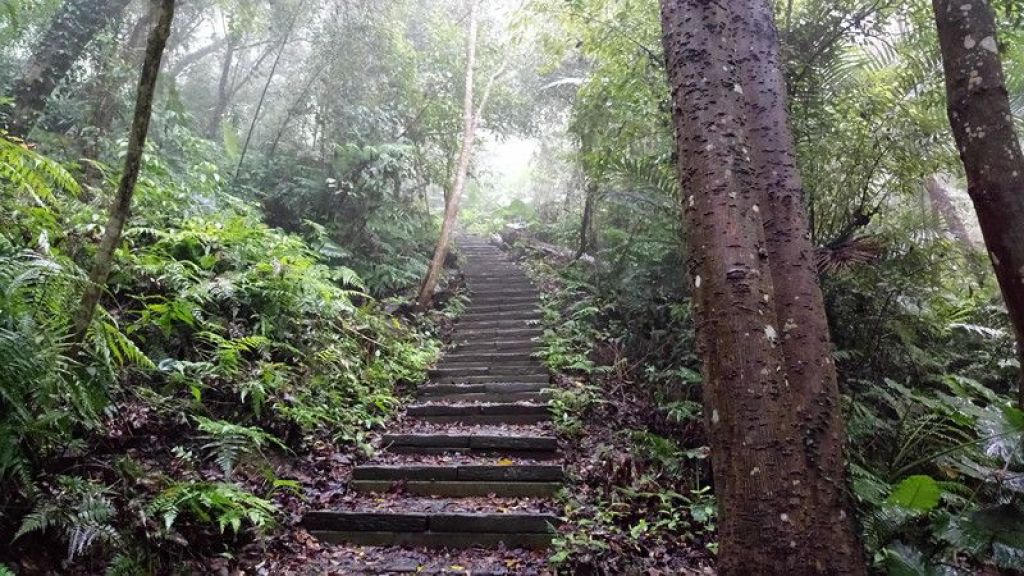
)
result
[(505, 462)]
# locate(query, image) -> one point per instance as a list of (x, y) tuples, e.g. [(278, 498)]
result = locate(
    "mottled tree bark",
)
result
[(74, 26), (979, 113), (804, 339), (772, 412), (121, 206)]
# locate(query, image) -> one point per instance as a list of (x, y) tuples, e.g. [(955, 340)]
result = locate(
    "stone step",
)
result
[(495, 282), (460, 489), (488, 357), (495, 277), (501, 307), (510, 365), (495, 324), (533, 368), (535, 446), (529, 315), (491, 397), (463, 472), (534, 378), (468, 346), (491, 299), (439, 389), (497, 333), (511, 292), (481, 413), (448, 530)]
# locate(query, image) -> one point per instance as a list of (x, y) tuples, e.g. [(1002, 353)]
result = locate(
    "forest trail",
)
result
[(475, 462)]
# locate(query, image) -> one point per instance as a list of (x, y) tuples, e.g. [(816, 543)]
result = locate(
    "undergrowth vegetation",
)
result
[(221, 344), (936, 446)]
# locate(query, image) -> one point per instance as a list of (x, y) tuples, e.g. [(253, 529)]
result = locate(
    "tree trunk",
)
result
[(266, 87), (772, 407), (979, 113), (939, 197), (74, 26), (223, 90), (805, 342), (590, 198), (121, 206), (453, 197)]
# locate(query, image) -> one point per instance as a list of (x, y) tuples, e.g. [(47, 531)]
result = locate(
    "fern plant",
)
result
[(228, 443), (224, 505), (80, 511)]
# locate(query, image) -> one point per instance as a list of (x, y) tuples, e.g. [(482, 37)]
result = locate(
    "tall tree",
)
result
[(804, 339), (121, 207), (471, 115), (979, 113), (74, 26), (770, 392)]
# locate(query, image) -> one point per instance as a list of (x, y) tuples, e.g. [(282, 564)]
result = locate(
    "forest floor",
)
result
[(601, 465)]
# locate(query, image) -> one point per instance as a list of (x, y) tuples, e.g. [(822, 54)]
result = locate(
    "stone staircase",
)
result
[(476, 462)]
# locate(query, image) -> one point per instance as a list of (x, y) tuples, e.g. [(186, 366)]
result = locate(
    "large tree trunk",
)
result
[(805, 342), (772, 411), (76, 23), (121, 206), (979, 113), (454, 194)]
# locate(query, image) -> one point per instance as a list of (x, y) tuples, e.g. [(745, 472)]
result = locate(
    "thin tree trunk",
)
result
[(776, 500), (804, 340), (939, 196), (121, 206), (266, 87), (451, 209), (588, 214), (982, 123), (213, 124), (290, 113), (74, 26)]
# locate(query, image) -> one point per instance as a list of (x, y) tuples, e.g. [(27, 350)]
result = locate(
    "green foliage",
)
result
[(223, 505), (210, 316), (79, 511), (570, 406), (918, 492), (228, 442)]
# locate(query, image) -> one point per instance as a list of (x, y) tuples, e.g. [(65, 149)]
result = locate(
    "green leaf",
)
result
[(1014, 418), (917, 493)]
